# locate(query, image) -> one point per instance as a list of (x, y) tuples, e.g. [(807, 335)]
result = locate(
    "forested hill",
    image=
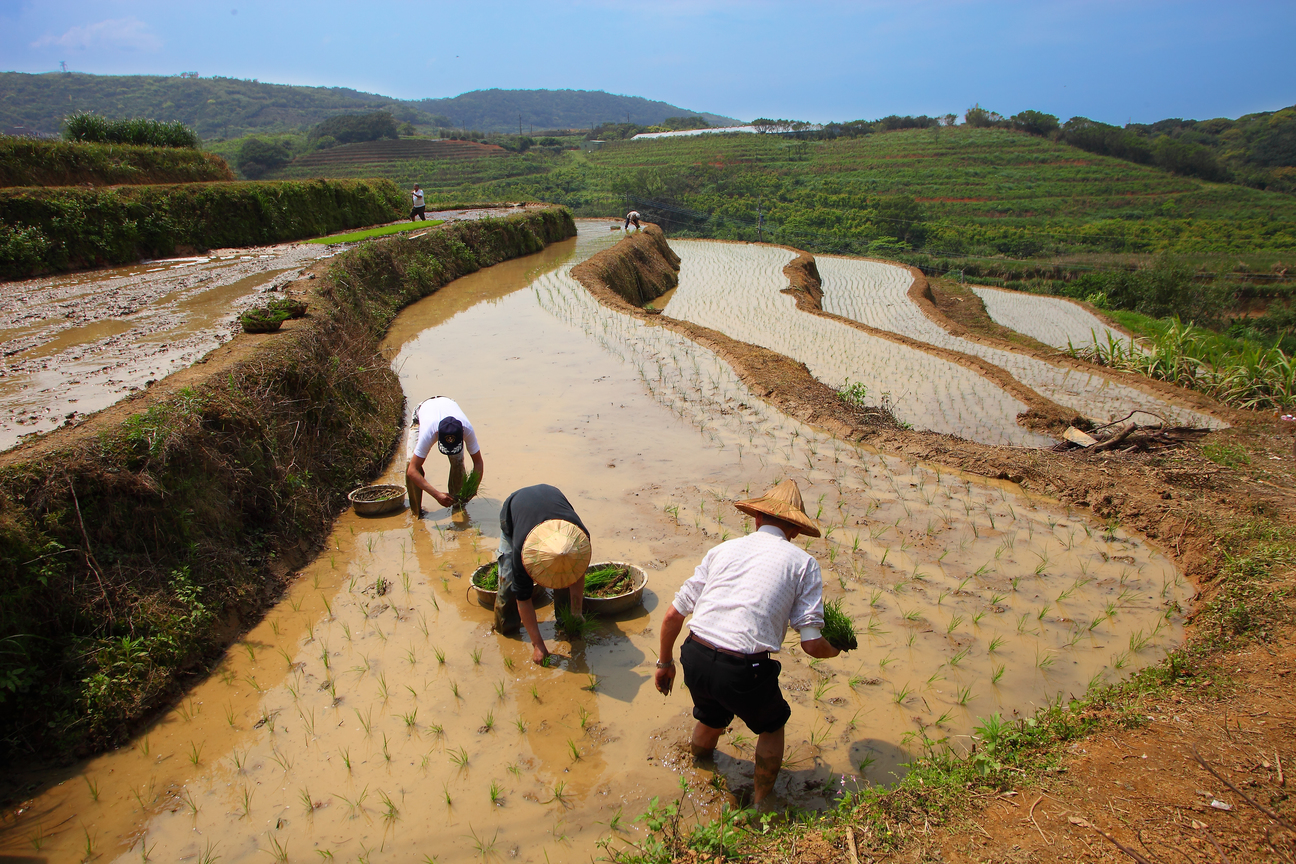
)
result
[(502, 110), (230, 107)]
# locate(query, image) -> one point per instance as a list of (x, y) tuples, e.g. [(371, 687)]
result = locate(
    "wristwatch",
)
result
[(665, 664)]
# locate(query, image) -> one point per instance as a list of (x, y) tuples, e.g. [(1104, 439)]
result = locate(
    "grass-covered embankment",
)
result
[(134, 547), (66, 228), (33, 162)]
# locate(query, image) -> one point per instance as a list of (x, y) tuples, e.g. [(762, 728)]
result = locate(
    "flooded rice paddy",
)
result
[(876, 294), (1052, 320), (373, 715), (734, 288)]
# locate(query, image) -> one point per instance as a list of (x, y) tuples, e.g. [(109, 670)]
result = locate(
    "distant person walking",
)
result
[(632, 217), (419, 210)]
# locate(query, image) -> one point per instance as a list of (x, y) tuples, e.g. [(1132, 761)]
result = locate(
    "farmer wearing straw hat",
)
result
[(743, 596), (442, 422), (554, 551)]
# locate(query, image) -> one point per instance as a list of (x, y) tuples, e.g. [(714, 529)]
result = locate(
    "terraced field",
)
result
[(876, 294), (1051, 320), (437, 165)]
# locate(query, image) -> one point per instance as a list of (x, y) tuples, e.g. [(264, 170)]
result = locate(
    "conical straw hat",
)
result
[(781, 502), (556, 553)]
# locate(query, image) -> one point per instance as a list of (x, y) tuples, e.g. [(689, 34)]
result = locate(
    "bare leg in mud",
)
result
[(769, 759), (704, 741), (769, 756)]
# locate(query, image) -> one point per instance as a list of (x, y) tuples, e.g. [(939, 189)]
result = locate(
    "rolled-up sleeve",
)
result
[(687, 596), (807, 608)]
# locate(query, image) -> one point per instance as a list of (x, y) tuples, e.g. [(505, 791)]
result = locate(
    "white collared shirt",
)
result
[(747, 591)]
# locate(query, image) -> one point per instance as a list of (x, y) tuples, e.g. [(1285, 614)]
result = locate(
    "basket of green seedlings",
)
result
[(611, 587), (838, 629), (377, 500), (484, 585), (288, 306), (263, 320)]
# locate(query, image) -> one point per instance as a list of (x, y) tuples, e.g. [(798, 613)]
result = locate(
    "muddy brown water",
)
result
[(373, 715)]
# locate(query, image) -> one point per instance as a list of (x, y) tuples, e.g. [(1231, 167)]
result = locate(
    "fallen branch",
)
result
[(1245, 797)]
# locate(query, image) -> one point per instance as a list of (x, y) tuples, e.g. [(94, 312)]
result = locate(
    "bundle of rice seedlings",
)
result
[(262, 320), (573, 626), (469, 489), (838, 628), (608, 581), (488, 581)]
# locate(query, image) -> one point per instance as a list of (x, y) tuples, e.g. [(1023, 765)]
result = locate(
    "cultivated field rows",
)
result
[(1051, 320), (735, 289)]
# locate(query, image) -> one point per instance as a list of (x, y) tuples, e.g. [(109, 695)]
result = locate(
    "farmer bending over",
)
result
[(742, 597), (632, 218), (554, 551), (441, 422)]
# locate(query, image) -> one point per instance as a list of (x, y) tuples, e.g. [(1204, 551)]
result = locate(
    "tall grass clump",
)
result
[(1245, 376), (92, 128)]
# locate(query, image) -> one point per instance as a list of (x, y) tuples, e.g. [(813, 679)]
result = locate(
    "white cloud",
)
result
[(128, 34)]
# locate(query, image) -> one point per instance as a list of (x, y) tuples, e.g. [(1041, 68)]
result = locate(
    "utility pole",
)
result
[(63, 64)]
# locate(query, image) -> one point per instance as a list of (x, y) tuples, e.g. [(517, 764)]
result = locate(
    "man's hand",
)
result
[(819, 648), (443, 499), (665, 680), (540, 655)]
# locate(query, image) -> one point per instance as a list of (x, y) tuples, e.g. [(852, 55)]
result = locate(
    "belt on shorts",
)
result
[(759, 655)]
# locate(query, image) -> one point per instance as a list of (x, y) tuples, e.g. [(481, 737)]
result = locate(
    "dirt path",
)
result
[(74, 344)]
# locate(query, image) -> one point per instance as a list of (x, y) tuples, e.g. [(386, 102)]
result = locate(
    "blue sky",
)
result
[(1114, 61)]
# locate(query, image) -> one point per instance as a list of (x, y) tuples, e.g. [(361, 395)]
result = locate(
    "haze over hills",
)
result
[(229, 107)]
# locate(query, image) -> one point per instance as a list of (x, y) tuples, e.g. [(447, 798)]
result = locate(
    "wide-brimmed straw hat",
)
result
[(781, 502), (556, 553)]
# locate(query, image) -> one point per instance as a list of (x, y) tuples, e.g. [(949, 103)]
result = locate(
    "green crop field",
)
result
[(980, 196)]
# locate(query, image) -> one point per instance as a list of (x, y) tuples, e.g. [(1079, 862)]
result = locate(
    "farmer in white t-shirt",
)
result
[(419, 210), (442, 422), (632, 217)]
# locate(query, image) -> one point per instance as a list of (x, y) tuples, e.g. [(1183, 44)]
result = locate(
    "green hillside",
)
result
[(229, 107), (958, 194)]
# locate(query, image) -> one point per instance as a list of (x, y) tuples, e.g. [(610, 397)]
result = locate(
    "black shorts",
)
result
[(723, 685)]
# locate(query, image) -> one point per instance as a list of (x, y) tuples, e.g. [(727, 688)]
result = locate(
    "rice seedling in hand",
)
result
[(838, 629)]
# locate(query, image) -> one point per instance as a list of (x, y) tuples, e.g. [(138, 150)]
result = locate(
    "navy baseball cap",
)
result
[(450, 436)]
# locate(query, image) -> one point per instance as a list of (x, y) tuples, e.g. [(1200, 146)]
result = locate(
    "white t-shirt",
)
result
[(430, 415), (418, 197)]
